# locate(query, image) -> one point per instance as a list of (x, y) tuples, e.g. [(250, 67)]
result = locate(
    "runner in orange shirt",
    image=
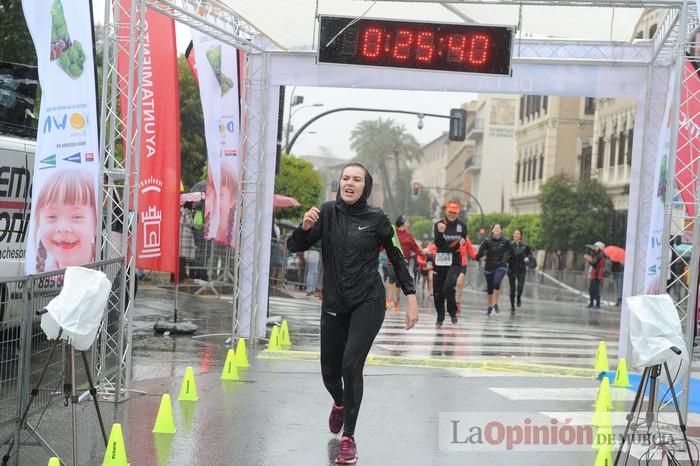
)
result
[(467, 252)]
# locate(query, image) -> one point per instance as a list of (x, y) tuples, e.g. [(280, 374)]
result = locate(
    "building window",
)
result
[(545, 104), (589, 106), (534, 169), (526, 170), (630, 138), (601, 153), (639, 35), (538, 105), (586, 159), (613, 149), (541, 166), (652, 31), (621, 149), (528, 106), (522, 108), (517, 174)]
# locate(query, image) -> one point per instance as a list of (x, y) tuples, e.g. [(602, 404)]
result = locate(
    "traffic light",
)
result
[(458, 124), (416, 190)]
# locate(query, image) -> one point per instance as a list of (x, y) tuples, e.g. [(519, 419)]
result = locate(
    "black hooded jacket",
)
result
[(497, 251), (517, 259), (351, 236)]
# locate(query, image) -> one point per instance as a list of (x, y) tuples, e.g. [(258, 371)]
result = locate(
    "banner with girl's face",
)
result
[(217, 72), (64, 215)]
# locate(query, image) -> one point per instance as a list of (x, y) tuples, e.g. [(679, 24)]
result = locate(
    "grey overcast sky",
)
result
[(333, 131)]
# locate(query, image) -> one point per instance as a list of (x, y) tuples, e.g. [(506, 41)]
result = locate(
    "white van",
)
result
[(16, 164)]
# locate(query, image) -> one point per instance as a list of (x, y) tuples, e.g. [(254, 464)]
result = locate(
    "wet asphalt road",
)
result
[(277, 413)]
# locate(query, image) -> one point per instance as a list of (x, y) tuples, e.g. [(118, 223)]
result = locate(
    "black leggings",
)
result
[(494, 278), (444, 282), (345, 343), (594, 292), (514, 276)]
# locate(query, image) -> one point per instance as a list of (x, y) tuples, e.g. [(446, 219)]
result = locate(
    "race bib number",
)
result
[(443, 259)]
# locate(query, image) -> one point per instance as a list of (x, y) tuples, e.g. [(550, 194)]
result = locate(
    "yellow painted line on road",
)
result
[(493, 366)]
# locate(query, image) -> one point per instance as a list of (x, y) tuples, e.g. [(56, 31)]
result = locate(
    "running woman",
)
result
[(351, 234), (517, 268), (497, 250)]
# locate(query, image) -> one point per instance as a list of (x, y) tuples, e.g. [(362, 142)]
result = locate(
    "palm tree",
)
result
[(374, 141)]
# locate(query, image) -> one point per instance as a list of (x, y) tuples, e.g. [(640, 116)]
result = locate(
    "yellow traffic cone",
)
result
[(274, 343), (230, 371), (284, 334), (115, 454), (601, 359), (602, 417), (165, 424), (603, 399), (622, 378), (603, 438), (54, 461), (188, 391), (604, 457), (241, 354)]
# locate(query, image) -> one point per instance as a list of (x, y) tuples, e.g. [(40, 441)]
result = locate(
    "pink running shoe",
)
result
[(347, 454), (335, 420)]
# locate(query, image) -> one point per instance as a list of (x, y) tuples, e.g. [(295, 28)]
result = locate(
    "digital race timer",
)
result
[(428, 46)]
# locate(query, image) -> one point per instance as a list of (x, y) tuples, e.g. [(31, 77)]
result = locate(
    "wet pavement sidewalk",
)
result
[(277, 413)]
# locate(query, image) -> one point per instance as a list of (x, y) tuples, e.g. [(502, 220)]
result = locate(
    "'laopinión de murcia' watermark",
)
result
[(507, 431)]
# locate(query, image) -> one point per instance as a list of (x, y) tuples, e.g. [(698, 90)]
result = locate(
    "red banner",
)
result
[(158, 232), (189, 54), (688, 137)]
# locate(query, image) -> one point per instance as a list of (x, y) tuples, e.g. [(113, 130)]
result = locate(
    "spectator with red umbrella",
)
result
[(616, 255), (597, 263)]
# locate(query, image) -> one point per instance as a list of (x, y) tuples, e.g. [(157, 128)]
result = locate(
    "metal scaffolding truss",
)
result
[(120, 129), (210, 17), (250, 201), (119, 145)]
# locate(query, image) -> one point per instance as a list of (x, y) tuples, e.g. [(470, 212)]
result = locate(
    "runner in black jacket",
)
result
[(450, 233), (351, 234), (517, 268), (497, 250)]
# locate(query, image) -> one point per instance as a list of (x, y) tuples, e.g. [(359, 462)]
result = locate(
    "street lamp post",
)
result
[(292, 103), (420, 116)]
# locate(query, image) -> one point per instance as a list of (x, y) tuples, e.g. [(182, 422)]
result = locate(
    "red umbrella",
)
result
[(284, 201), (615, 253)]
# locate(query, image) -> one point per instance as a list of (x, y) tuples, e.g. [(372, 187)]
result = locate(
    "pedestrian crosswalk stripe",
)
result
[(559, 394), (475, 337)]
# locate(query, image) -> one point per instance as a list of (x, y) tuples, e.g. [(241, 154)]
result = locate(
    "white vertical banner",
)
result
[(654, 283), (217, 71), (64, 214)]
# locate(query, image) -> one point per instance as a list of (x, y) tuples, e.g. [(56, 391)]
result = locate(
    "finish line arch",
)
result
[(640, 71)]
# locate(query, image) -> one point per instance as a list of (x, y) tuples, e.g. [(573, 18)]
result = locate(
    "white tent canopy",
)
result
[(290, 25)]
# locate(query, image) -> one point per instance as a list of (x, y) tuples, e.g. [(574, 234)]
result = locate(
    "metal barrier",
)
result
[(10, 322), (25, 352)]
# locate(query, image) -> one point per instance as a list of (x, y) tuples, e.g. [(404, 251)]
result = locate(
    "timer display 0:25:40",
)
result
[(466, 48), (425, 47)]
